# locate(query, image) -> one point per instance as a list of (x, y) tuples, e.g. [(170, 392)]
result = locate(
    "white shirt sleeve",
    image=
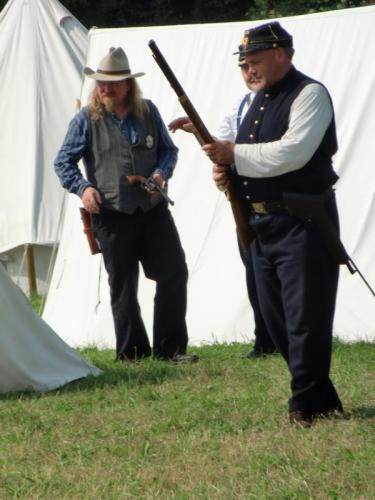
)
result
[(227, 130), (310, 116)]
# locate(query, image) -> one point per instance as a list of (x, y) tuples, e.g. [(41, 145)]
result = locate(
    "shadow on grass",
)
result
[(147, 372), (363, 412)]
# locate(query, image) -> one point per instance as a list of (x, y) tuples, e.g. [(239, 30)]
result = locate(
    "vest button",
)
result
[(262, 108), (266, 95), (256, 122), (245, 183), (251, 136), (247, 197)]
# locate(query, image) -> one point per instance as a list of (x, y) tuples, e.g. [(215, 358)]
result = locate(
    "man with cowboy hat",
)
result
[(120, 135), (283, 152)]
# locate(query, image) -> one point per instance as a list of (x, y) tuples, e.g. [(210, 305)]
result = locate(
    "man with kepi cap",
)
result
[(121, 138), (283, 151)]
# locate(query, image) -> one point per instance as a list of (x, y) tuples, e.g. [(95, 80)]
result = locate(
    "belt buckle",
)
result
[(260, 207)]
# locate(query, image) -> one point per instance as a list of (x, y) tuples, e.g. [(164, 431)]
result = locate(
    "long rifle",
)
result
[(311, 208), (239, 209)]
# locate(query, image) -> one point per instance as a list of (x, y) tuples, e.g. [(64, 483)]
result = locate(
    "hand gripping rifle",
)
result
[(203, 136)]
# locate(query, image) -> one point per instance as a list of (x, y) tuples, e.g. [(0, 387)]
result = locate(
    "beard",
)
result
[(109, 104), (112, 103)]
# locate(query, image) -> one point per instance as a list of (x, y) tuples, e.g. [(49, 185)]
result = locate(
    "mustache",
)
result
[(108, 103)]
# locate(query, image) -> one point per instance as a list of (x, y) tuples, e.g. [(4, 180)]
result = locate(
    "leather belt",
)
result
[(268, 207), (271, 207)]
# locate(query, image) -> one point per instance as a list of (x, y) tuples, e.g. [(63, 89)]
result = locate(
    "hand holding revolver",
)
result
[(153, 185)]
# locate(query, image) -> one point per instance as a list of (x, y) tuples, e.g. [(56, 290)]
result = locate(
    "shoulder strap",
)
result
[(244, 101)]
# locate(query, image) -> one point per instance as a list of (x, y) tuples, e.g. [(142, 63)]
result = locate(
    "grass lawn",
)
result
[(217, 429)]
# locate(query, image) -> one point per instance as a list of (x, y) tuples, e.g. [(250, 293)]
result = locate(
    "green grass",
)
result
[(217, 429), (36, 302)]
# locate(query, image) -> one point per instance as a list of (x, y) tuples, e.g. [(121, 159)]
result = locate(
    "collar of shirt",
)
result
[(243, 108), (126, 127)]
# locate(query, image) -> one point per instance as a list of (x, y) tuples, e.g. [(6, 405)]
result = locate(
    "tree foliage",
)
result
[(116, 13), (263, 9)]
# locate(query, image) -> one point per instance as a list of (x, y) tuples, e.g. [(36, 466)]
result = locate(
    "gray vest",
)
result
[(110, 158)]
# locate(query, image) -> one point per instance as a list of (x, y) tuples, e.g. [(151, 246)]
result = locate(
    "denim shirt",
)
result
[(77, 139)]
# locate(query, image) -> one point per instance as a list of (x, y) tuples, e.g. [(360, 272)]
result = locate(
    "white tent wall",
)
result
[(336, 48), (42, 50), (16, 264)]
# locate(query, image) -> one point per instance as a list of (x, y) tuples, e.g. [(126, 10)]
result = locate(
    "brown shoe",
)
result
[(301, 418), (184, 358), (179, 358)]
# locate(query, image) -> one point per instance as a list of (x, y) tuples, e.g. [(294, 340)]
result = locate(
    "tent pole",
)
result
[(30, 264)]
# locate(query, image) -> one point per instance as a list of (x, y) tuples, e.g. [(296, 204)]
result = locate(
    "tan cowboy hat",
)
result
[(112, 68)]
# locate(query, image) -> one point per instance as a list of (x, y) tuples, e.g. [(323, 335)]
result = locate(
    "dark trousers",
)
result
[(297, 282), (150, 239), (263, 341)]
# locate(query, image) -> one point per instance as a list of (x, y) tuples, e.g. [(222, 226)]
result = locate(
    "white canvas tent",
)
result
[(32, 356), (42, 50), (335, 47)]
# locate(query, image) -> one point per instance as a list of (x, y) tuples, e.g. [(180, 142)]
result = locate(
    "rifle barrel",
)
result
[(166, 69), (203, 135), (350, 261)]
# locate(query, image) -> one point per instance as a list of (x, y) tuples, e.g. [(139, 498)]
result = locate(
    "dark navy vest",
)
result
[(267, 121)]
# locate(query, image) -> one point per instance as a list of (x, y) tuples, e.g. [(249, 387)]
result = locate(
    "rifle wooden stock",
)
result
[(239, 209), (89, 231)]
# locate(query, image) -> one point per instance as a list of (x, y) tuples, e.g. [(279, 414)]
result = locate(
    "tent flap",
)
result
[(201, 57)]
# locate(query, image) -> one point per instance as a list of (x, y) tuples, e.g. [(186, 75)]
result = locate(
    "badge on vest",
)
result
[(149, 141)]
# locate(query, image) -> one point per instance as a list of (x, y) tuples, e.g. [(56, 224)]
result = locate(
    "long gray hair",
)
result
[(136, 104)]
